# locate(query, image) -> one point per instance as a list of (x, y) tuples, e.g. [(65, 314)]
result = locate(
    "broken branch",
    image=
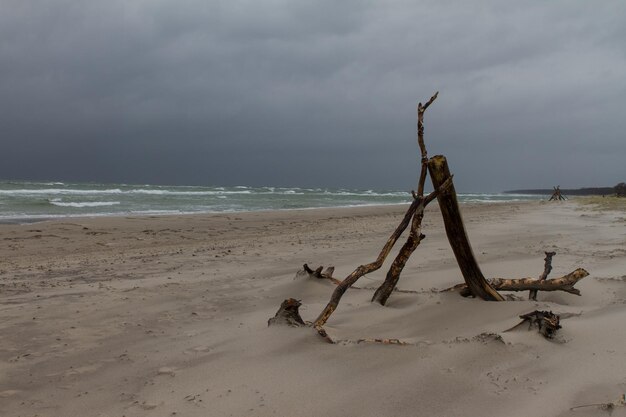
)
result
[(546, 271)]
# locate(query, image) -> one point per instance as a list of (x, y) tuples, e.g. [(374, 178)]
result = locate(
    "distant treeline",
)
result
[(578, 191)]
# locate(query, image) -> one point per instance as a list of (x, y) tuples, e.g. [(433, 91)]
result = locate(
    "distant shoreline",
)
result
[(574, 191)]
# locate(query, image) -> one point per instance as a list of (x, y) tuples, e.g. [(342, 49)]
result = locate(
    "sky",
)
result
[(313, 93)]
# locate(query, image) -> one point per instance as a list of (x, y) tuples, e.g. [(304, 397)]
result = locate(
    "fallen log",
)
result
[(565, 283)]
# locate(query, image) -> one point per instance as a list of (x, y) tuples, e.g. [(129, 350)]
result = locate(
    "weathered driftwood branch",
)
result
[(547, 268), (417, 207), (364, 269), (608, 407), (453, 222), (421, 109), (288, 314), (327, 274), (393, 275), (415, 236), (565, 283)]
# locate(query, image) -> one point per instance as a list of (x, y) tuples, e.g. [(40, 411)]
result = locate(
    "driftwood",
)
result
[(327, 274), (453, 222), (415, 236), (546, 322), (475, 282), (413, 215), (557, 194), (565, 283), (417, 206), (364, 269), (288, 314), (547, 268), (608, 407)]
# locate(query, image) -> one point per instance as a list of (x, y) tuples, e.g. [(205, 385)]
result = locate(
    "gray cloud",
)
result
[(312, 93)]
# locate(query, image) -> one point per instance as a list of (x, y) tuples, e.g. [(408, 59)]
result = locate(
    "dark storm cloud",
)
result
[(312, 93)]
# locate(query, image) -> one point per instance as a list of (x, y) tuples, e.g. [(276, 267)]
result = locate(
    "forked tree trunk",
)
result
[(455, 230)]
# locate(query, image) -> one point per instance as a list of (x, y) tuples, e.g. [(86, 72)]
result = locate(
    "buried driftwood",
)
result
[(608, 407), (288, 314), (475, 282), (327, 274), (546, 322)]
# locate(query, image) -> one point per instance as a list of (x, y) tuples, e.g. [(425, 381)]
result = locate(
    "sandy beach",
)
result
[(167, 316)]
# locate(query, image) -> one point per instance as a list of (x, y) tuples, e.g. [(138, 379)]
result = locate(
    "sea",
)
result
[(28, 201)]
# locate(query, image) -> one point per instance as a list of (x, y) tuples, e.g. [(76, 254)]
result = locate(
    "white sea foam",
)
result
[(183, 193), (85, 203), (61, 191)]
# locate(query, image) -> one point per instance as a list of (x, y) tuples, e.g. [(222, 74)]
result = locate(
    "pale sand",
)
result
[(167, 316)]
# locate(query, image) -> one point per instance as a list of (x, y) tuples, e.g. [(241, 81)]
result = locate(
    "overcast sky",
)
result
[(313, 93)]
